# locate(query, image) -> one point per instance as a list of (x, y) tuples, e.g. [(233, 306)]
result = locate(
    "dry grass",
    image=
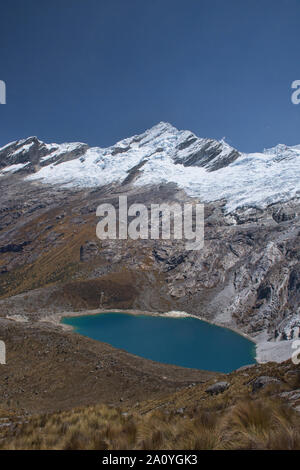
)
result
[(249, 424), (188, 418)]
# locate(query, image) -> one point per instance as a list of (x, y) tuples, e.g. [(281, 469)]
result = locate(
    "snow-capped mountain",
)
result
[(204, 168), (247, 275)]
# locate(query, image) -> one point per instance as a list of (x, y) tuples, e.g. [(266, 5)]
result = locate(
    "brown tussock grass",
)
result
[(251, 423)]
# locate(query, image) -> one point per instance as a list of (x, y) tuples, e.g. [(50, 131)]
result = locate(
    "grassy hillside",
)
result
[(239, 418)]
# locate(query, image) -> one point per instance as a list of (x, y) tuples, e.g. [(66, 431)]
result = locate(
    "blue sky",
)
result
[(100, 70)]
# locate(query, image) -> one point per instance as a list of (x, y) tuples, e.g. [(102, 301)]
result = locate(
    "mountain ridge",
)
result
[(205, 168)]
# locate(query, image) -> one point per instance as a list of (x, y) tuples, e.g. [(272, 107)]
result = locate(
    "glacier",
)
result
[(207, 169)]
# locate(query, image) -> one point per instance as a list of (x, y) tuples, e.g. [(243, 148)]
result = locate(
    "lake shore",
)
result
[(171, 338), (266, 351), (57, 317)]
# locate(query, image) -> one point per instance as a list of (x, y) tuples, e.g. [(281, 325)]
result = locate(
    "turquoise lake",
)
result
[(185, 342)]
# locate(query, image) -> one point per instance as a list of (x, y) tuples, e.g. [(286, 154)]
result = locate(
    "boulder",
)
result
[(262, 382), (217, 388)]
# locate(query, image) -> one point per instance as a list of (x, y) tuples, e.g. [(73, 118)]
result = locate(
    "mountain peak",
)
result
[(205, 168), (163, 125)]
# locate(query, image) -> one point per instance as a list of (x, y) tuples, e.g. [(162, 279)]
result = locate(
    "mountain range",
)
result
[(247, 277), (205, 168)]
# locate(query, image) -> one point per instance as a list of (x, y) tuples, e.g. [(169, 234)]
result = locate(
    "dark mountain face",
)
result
[(21, 152), (210, 155), (31, 154)]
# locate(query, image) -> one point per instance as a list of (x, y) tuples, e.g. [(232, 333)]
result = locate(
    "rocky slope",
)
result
[(247, 276)]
